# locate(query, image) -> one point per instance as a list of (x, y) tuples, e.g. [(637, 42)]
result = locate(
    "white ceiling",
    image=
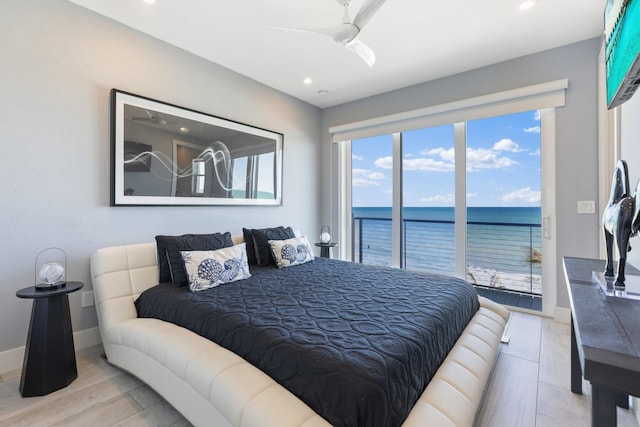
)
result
[(414, 40)]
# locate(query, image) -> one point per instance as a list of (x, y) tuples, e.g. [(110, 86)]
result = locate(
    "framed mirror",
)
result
[(163, 154)]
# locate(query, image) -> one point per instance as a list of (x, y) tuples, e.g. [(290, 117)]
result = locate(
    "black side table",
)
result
[(324, 248), (49, 358)]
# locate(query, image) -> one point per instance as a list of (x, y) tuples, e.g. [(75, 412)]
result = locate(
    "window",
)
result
[(198, 176), (416, 151), (504, 240), (253, 176), (372, 188), (428, 190), (502, 201)]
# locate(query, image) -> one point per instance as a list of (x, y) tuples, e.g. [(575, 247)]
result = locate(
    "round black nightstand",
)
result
[(324, 248), (49, 357)]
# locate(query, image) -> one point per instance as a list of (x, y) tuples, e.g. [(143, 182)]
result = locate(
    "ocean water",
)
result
[(503, 239), (511, 215)]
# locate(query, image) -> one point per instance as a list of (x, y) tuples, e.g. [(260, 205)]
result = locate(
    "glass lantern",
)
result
[(325, 234), (51, 268)]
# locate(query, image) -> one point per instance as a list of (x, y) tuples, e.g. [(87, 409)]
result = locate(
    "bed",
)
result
[(211, 385)]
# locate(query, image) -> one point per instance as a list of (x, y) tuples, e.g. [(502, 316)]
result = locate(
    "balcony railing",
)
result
[(499, 255)]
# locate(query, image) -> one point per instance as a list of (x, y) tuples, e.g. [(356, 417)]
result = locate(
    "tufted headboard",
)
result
[(120, 274)]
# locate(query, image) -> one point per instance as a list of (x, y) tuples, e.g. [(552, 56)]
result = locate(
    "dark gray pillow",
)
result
[(261, 245), (248, 240), (170, 260)]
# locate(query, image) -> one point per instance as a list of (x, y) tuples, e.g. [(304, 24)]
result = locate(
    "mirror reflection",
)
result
[(175, 156)]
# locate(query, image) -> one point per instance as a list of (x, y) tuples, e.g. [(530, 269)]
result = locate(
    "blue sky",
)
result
[(503, 164)]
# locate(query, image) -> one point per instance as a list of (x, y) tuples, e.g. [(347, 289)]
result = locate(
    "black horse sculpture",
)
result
[(620, 221)]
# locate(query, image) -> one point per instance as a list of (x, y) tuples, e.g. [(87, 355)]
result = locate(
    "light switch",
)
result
[(586, 206)]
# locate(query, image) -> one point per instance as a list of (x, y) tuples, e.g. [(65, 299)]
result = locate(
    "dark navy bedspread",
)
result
[(356, 343)]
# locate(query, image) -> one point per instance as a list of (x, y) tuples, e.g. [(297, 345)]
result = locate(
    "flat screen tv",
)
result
[(622, 49)]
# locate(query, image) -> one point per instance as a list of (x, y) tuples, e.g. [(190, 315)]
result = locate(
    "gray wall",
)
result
[(576, 130), (59, 62)]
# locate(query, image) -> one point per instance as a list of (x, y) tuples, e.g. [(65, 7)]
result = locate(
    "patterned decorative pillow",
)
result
[(207, 269), (170, 260), (259, 238), (291, 251)]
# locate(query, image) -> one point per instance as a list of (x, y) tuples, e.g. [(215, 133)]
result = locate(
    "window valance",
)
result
[(544, 95)]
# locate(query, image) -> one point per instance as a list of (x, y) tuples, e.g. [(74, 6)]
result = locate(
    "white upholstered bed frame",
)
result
[(211, 386)]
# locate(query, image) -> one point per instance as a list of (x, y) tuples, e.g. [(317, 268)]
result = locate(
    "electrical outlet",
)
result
[(87, 299)]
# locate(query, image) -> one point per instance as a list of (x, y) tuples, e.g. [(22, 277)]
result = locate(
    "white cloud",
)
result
[(428, 165), (536, 115), (533, 129), (357, 157), (440, 199), (535, 153), (523, 195), (483, 158), (366, 178), (444, 161), (421, 164), (506, 145), (445, 199), (444, 153), (384, 162)]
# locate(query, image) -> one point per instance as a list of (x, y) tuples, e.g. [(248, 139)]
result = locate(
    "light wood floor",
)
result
[(530, 387), (531, 384)]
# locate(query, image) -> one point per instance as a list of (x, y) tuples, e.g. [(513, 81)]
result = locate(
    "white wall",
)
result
[(576, 131), (630, 151), (58, 63)]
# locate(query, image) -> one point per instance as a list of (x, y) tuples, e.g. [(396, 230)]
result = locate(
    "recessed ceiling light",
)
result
[(307, 80), (527, 4), (149, 1), (184, 129)]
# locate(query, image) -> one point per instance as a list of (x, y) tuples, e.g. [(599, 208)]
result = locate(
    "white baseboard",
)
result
[(10, 360), (560, 314), (86, 338)]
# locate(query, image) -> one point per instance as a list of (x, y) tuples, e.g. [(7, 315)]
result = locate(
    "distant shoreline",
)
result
[(499, 214)]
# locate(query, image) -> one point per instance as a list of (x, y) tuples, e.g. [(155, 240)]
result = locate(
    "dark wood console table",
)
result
[(605, 341)]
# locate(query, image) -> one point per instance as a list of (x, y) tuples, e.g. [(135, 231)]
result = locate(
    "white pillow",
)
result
[(291, 251), (207, 269)]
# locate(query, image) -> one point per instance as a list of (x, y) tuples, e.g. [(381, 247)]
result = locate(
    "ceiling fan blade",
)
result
[(338, 33), (366, 12), (152, 117), (363, 51)]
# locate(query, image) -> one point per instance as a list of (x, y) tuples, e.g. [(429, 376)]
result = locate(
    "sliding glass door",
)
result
[(503, 179), (372, 190), (428, 195), (409, 186)]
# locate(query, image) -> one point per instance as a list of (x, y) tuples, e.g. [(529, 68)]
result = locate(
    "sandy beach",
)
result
[(503, 280)]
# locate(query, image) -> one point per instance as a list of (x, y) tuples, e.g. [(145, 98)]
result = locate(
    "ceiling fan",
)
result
[(152, 117), (346, 33)]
